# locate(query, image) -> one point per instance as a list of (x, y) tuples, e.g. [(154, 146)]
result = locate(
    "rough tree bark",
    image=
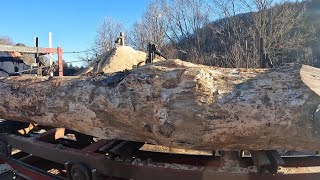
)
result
[(178, 104)]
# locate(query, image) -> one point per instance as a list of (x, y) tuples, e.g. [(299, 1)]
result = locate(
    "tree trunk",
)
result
[(178, 104)]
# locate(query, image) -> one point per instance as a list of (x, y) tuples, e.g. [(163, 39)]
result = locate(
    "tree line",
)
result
[(222, 32)]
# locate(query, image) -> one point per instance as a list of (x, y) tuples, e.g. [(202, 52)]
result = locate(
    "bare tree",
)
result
[(5, 40), (182, 28), (282, 26), (176, 27), (286, 31), (138, 38), (289, 35), (150, 28), (185, 19), (107, 33)]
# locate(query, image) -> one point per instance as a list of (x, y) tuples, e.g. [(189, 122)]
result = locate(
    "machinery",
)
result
[(43, 153), (152, 52), (37, 51), (56, 154)]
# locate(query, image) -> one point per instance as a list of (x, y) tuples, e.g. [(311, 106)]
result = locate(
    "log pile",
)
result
[(178, 104)]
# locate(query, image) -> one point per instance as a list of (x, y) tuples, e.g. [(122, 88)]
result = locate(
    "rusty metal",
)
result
[(60, 61), (33, 50), (95, 146), (98, 164), (107, 147), (29, 171), (78, 172), (125, 149), (37, 51)]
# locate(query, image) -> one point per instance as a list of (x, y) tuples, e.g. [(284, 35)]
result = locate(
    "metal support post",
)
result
[(39, 71), (50, 54), (60, 62)]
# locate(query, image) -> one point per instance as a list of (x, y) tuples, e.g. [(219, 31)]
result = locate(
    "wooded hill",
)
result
[(227, 32), (289, 35)]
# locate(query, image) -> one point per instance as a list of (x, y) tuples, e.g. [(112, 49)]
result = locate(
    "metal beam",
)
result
[(7, 48), (125, 170)]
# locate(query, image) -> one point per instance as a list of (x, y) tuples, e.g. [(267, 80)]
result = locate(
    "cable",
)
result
[(77, 52), (79, 61), (87, 50), (56, 62)]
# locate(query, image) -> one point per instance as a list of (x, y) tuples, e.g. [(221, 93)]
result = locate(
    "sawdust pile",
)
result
[(165, 149), (117, 59)]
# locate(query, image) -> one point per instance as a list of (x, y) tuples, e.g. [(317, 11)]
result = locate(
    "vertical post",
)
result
[(122, 39), (60, 63), (50, 54), (39, 71), (149, 53), (35, 41)]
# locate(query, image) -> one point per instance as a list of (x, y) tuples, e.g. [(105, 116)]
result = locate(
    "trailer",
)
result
[(56, 154)]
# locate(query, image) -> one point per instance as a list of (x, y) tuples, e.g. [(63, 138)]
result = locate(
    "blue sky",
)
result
[(73, 23)]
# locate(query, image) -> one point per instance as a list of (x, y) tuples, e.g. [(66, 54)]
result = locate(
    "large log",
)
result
[(178, 104)]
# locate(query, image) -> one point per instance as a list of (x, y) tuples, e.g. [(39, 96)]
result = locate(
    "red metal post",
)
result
[(48, 50), (60, 63)]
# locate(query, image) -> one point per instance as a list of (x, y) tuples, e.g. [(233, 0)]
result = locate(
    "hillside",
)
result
[(289, 34)]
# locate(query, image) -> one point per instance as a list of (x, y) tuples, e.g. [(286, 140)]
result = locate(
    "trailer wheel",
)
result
[(80, 172)]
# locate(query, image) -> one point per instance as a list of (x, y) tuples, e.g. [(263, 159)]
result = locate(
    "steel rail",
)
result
[(120, 169)]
